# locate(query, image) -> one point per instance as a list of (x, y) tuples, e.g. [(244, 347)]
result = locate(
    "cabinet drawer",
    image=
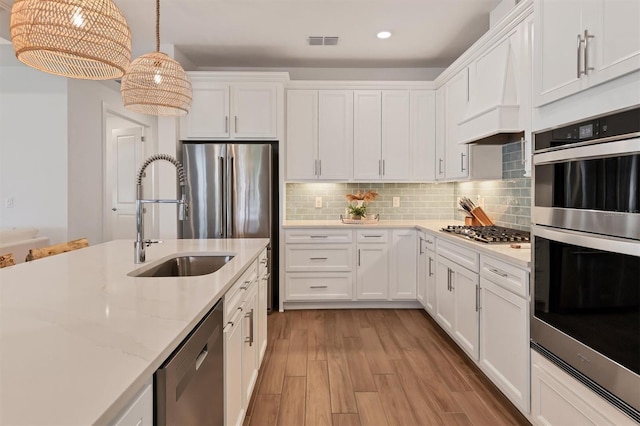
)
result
[(372, 236), (429, 242), (460, 255), (319, 257), (234, 297), (507, 276), (293, 236), (319, 286)]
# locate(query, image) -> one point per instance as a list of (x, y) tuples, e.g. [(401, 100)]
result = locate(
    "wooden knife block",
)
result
[(471, 221)]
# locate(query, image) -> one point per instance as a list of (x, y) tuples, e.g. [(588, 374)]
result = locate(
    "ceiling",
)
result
[(273, 33)]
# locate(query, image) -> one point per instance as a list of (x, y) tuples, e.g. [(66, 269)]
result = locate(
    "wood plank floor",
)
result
[(370, 367)]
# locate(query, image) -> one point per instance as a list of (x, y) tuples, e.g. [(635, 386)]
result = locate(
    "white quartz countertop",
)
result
[(78, 337), (520, 257)]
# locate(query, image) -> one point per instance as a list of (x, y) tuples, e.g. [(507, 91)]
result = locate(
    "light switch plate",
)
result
[(318, 202), (396, 201)]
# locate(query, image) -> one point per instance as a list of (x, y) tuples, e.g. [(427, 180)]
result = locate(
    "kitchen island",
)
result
[(79, 337)]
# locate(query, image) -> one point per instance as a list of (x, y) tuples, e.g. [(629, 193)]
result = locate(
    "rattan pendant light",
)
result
[(156, 84), (86, 39)]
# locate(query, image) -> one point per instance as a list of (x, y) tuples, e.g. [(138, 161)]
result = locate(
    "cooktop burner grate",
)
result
[(489, 234)]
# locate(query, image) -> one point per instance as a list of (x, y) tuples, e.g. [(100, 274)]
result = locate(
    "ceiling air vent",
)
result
[(322, 41)]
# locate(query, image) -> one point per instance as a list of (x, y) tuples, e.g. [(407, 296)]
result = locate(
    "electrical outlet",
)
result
[(8, 203), (396, 201), (318, 202)]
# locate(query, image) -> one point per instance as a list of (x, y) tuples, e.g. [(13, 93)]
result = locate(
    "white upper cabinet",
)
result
[(209, 114), (382, 146), (231, 111), (455, 103), (302, 134), (396, 145), (423, 134), (367, 134), (335, 134), (582, 43), (319, 134), (253, 107)]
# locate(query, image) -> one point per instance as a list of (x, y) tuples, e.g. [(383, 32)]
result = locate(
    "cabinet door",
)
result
[(441, 141), (367, 139), (466, 324), (404, 265), (615, 48), (558, 26), (302, 134), (456, 100), (430, 291), (421, 292), (504, 341), (335, 134), (422, 127), (444, 295), (262, 316), (254, 111), (396, 144), (249, 349), (209, 114), (233, 393), (372, 274)]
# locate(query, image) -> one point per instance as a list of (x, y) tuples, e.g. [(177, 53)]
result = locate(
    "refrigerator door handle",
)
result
[(222, 189), (229, 197)]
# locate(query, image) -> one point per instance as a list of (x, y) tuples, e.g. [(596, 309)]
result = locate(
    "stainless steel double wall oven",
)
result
[(585, 301)]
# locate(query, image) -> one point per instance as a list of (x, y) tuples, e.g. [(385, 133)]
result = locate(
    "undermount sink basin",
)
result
[(185, 266)]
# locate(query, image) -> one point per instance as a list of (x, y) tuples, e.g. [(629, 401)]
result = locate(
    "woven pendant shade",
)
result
[(85, 39), (155, 84)]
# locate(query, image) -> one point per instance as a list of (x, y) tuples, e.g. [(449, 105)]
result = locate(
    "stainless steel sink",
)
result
[(184, 266)]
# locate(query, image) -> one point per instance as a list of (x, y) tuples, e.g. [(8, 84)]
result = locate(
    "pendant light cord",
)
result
[(157, 25)]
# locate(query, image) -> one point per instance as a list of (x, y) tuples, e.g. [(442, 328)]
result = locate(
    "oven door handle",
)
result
[(584, 239), (599, 150)]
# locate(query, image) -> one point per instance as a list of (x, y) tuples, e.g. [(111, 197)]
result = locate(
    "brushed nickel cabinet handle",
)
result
[(318, 258), (440, 161), (319, 236), (226, 124), (579, 68), (430, 263), (462, 169), (420, 248), (318, 286), (358, 257), (477, 298)]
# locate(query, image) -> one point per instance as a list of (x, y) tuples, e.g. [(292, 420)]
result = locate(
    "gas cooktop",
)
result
[(489, 234)]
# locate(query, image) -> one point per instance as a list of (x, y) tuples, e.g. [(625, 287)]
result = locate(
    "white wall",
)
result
[(33, 148), (87, 130)]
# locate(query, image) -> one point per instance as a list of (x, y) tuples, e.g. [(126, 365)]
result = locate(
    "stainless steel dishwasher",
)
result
[(190, 384)]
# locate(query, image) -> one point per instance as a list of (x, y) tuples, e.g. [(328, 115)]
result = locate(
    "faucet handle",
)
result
[(149, 242)]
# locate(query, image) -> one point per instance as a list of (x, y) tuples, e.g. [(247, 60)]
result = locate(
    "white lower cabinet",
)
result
[(404, 266), (139, 411), (372, 271), (559, 399), (504, 341), (430, 290), (245, 317), (421, 289), (456, 303), (233, 394)]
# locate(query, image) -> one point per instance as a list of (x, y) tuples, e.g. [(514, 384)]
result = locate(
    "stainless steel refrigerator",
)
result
[(232, 192)]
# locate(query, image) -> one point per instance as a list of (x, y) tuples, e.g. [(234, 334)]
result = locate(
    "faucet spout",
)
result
[(183, 208)]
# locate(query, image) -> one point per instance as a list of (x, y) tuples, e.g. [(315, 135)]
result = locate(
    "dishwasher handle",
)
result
[(200, 359)]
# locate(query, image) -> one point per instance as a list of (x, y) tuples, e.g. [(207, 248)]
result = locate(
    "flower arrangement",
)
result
[(358, 203)]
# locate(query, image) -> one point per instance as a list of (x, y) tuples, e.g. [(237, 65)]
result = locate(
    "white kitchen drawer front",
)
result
[(429, 242), (234, 297), (319, 257), (319, 286), (293, 236), (507, 276), (372, 236), (462, 256)]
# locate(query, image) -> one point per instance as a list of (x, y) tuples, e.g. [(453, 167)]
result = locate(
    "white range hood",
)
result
[(493, 112)]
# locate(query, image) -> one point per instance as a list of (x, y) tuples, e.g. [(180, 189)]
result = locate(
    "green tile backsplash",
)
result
[(506, 201)]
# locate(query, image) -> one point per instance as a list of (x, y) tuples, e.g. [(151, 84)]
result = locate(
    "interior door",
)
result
[(127, 153)]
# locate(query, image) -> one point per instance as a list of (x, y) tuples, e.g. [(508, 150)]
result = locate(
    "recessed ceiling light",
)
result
[(384, 34)]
